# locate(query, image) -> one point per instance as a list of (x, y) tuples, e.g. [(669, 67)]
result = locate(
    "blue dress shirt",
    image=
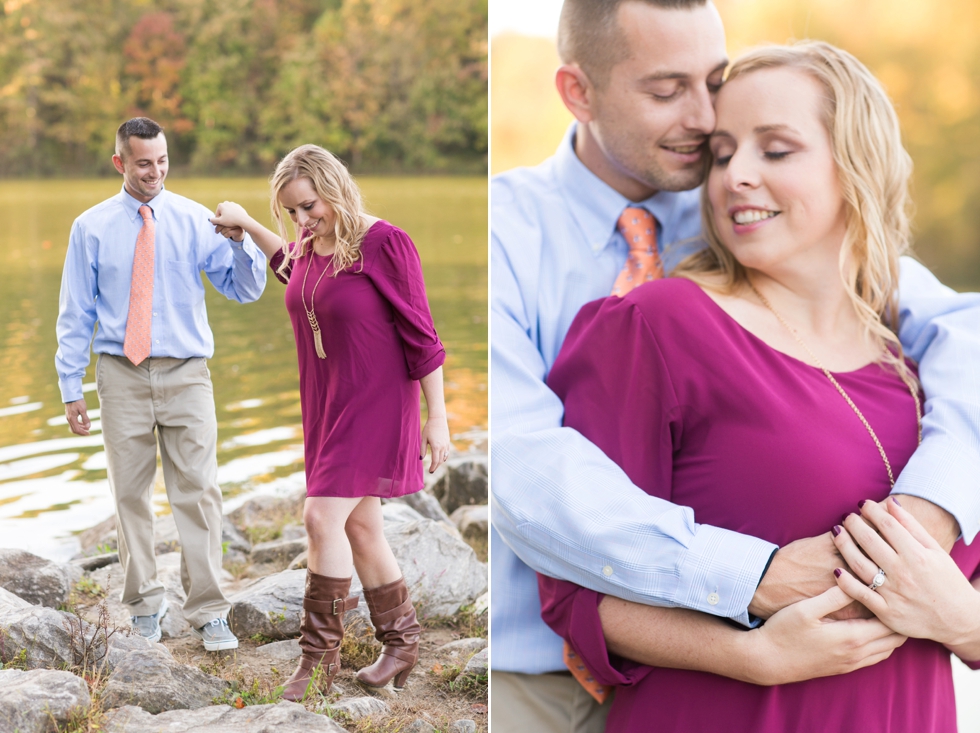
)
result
[(97, 277), (561, 507)]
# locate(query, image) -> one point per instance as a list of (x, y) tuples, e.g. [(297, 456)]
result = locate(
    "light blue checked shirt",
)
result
[(563, 507), (97, 277)]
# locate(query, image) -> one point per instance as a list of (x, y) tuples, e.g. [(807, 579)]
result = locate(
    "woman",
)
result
[(365, 340), (764, 387)]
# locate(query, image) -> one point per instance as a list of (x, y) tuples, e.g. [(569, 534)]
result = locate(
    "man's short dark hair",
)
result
[(141, 127), (589, 36)]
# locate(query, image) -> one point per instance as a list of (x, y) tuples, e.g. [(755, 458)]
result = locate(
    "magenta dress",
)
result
[(700, 412), (361, 413)]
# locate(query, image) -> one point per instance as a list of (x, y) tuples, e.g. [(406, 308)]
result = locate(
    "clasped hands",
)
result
[(229, 220), (818, 627)]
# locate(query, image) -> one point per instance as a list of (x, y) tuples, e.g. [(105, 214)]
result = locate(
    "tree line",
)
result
[(388, 85)]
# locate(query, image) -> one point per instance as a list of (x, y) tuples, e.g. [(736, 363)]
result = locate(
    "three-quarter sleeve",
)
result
[(616, 389), (396, 271), (276, 262)]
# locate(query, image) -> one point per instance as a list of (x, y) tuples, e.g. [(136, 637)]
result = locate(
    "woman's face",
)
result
[(306, 208), (773, 183)]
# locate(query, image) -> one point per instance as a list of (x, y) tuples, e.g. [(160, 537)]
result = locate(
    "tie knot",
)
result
[(146, 212), (638, 228)]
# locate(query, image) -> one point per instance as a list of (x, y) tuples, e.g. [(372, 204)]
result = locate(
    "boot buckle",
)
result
[(335, 602)]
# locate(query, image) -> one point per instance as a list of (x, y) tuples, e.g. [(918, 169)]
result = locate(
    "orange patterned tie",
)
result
[(584, 677), (136, 345), (639, 229)]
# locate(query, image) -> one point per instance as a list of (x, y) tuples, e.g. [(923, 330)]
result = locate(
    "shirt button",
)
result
[(607, 571), (713, 599), (155, 313), (158, 340)]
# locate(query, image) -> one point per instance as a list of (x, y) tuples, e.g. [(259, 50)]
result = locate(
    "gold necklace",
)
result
[(871, 432), (310, 315)]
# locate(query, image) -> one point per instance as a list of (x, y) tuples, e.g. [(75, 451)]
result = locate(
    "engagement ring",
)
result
[(878, 580)]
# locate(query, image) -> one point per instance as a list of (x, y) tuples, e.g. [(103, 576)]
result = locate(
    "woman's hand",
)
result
[(800, 643), (230, 220), (925, 595), (435, 433)]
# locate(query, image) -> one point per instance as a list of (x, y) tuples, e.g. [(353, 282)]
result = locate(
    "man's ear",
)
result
[(576, 91), (118, 163)]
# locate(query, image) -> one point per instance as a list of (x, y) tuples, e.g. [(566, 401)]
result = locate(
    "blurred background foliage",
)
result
[(389, 85), (926, 53)]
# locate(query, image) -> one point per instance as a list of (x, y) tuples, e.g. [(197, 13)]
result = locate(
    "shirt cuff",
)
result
[(71, 389), (721, 571)]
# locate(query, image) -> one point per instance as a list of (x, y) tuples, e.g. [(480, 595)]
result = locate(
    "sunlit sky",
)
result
[(530, 17)]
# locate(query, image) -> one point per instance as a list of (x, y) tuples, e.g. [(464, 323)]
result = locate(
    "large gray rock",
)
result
[(40, 637), (270, 606), (103, 535), (278, 552), (360, 707), (280, 651), (40, 701), (461, 481), (442, 572), (110, 578), (284, 717), (472, 520), (463, 726), (11, 602), (36, 580), (156, 682), (232, 538), (425, 504), (268, 510)]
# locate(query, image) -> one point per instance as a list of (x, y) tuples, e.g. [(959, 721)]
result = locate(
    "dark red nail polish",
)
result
[(838, 572), (862, 503), (835, 530), (895, 499), (843, 518)]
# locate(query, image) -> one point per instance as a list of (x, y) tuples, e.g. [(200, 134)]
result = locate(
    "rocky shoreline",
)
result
[(69, 663)]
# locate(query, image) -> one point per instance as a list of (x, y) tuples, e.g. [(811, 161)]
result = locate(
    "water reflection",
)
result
[(53, 484)]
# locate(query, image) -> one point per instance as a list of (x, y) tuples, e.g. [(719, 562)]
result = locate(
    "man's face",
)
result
[(144, 165), (653, 116)]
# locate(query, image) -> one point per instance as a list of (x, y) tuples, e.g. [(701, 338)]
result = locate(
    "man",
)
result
[(134, 268), (639, 76)]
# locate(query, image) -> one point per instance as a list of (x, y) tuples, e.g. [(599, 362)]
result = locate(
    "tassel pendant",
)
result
[(318, 342)]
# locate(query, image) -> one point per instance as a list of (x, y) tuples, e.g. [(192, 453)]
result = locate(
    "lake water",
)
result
[(53, 484)]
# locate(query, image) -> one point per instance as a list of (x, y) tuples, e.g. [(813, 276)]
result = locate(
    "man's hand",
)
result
[(230, 220), (937, 521), (77, 414), (800, 570)]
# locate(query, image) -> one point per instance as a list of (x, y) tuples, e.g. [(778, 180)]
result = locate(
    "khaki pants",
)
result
[(543, 703), (174, 399)]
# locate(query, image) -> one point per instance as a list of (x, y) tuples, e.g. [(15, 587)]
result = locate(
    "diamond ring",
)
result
[(878, 580)]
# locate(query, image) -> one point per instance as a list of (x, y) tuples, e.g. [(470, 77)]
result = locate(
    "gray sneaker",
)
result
[(149, 626), (217, 636)]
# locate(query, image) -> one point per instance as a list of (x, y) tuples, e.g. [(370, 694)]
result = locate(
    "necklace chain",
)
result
[(310, 315), (864, 421)]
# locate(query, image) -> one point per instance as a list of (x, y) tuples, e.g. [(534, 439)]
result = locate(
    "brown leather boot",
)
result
[(322, 626), (396, 626)]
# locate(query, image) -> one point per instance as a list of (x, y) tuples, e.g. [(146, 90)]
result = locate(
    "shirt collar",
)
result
[(596, 206), (132, 206)]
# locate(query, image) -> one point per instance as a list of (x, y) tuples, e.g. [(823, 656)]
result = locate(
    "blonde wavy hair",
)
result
[(334, 184), (874, 171)]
